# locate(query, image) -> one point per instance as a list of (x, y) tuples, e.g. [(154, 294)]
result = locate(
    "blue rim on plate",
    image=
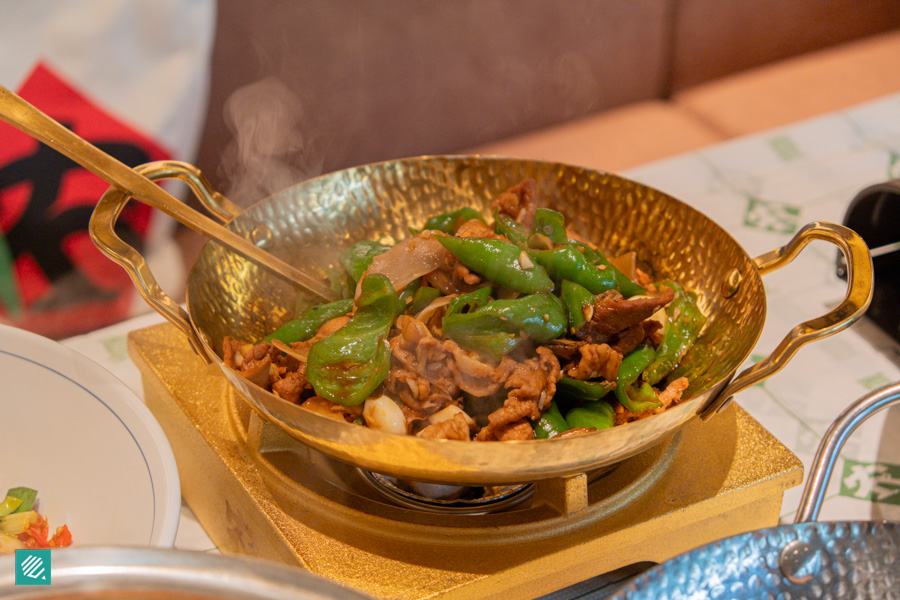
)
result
[(141, 441)]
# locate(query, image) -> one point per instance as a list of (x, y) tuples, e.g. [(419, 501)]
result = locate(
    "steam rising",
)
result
[(269, 151)]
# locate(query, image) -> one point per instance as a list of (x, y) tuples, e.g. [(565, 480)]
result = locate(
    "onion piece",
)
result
[(626, 263), (407, 261), (450, 412), (426, 313), (288, 350)]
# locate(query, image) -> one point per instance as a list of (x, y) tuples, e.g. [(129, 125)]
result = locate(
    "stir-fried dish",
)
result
[(513, 329), (22, 527)]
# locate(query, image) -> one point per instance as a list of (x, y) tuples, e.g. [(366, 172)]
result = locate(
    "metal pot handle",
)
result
[(855, 303), (102, 231), (830, 447), (799, 560)]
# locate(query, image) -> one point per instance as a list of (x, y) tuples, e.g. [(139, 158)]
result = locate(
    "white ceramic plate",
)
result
[(96, 455)]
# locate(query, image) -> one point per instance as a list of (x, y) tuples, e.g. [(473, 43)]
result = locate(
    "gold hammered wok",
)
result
[(308, 225)]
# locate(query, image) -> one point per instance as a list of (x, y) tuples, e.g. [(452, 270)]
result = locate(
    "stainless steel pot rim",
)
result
[(828, 559), (831, 559), (88, 572)]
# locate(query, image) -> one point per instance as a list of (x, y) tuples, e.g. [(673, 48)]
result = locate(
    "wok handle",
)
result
[(213, 201), (855, 303), (102, 231), (830, 447)]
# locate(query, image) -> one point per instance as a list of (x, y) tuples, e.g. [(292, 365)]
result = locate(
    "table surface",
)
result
[(762, 189)]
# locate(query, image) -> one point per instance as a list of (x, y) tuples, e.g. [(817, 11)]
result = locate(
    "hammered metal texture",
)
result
[(853, 560), (310, 224)]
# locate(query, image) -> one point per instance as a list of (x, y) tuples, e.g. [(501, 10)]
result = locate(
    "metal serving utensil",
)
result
[(25, 117)]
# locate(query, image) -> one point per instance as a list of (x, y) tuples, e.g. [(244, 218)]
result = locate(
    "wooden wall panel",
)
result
[(335, 83), (713, 38)]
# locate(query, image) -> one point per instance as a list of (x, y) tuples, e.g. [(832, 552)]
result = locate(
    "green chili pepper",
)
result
[(422, 298), (685, 321), (467, 303), (8, 505), (624, 285), (667, 355), (492, 329), (551, 423), (340, 283), (629, 370), (633, 364), (575, 297), (357, 258), (349, 364), (409, 293), (305, 326), (500, 262), (488, 335), (515, 232), (26, 497), (590, 254), (684, 312), (589, 391), (596, 415), (550, 223), (565, 262), (643, 397), (449, 222), (541, 316)]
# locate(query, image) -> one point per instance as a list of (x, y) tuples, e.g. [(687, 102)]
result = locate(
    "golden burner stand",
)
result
[(257, 491)]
